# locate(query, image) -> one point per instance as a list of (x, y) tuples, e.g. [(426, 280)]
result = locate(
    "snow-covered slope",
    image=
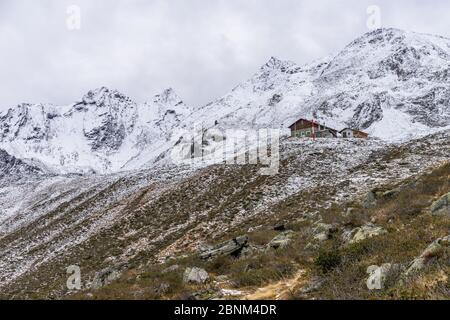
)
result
[(141, 217), (105, 131), (390, 83)]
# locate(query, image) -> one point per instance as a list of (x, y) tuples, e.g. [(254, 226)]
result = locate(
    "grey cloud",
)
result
[(201, 48)]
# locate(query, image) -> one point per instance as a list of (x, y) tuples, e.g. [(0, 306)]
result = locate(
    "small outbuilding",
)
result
[(353, 133)]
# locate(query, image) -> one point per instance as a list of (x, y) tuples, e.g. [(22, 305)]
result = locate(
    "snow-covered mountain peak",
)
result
[(101, 132), (385, 52), (389, 82), (277, 64), (103, 96), (395, 39), (168, 96), (380, 35), (170, 105)]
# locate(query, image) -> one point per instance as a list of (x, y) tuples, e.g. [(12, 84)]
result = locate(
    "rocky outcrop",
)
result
[(365, 232), (281, 240), (435, 250), (195, 275), (314, 284), (441, 206), (11, 166), (379, 275), (231, 247), (323, 232), (377, 194)]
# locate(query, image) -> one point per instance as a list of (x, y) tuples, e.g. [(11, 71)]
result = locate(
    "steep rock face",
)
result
[(27, 122), (108, 116), (12, 167), (171, 110)]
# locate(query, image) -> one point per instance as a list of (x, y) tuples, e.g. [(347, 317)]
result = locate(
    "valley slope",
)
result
[(94, 184), (134, 220)]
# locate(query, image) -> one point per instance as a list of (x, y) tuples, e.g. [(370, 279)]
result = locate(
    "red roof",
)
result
[(311, 123)]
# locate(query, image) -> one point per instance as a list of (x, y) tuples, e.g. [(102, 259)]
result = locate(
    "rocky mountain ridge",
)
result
[(101, 133), (391, 83)]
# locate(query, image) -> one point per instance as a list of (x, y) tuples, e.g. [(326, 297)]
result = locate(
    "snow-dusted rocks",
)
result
[(165, 212), (282, 240)]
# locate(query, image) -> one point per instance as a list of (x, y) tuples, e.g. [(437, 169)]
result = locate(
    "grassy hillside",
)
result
[(310, 269)]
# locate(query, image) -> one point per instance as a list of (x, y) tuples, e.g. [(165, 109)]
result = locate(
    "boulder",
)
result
[(280, 227), (441, 206), (321, 237), (281, 240), (105, 277), (315, 284), (371, 199), (195, 275), (365, 232), (170, 269), (378, 275), (347, 235), (434, 250), (377, 194), (252, 249), (323, 232), (231, 247)]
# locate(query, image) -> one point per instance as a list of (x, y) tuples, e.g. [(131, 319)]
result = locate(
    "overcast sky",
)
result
[(201, 48)]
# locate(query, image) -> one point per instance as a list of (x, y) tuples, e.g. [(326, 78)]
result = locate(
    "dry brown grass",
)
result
[(411, 228)]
